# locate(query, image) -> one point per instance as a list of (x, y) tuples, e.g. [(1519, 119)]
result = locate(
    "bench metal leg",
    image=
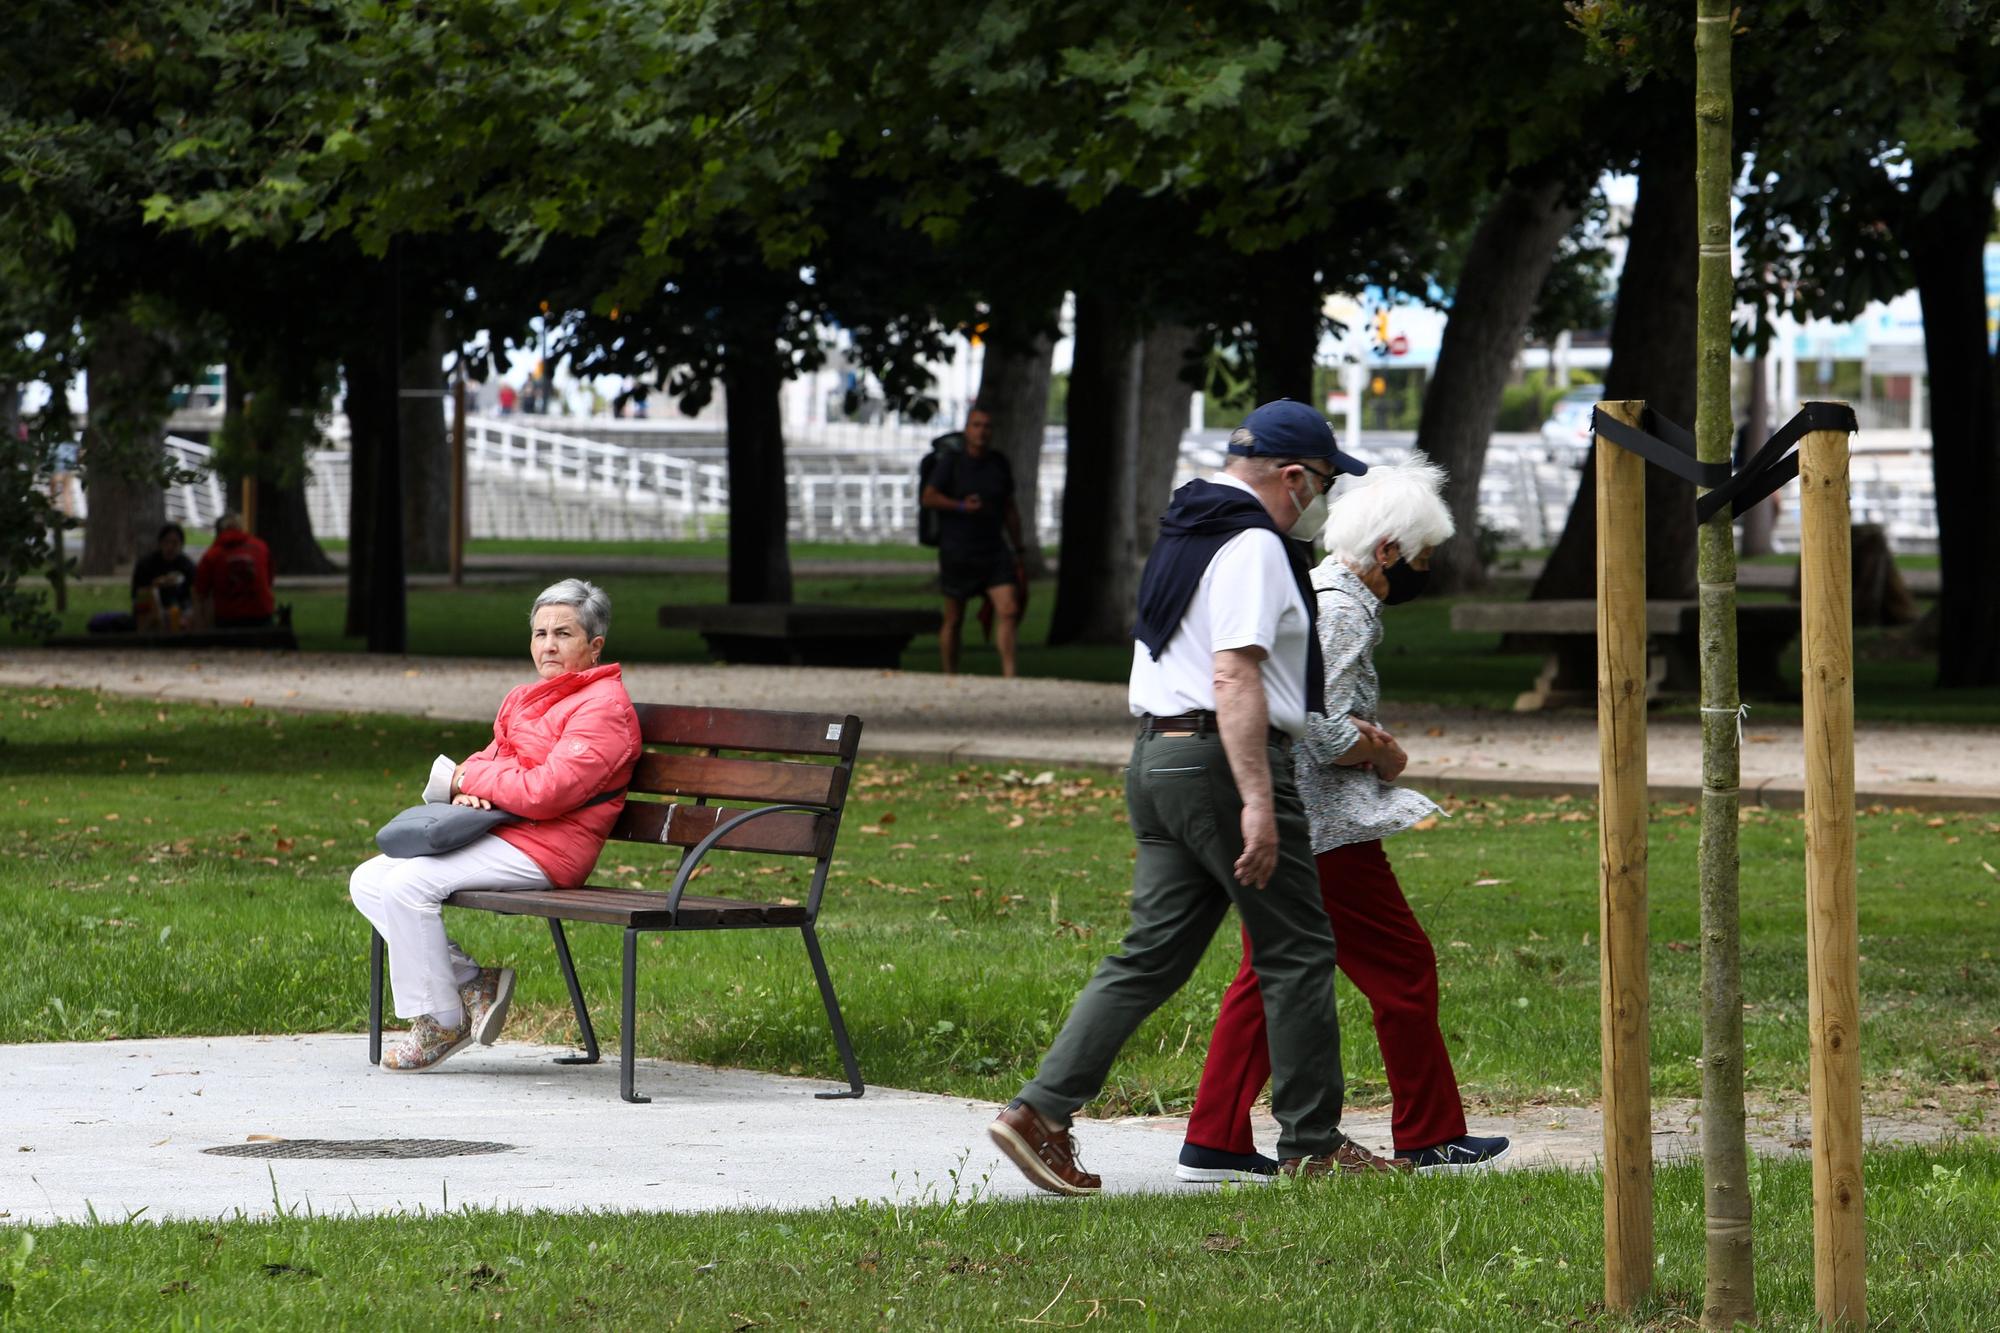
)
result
[(374, 997), (854, 1085), (628, 1019), (589, 1056)]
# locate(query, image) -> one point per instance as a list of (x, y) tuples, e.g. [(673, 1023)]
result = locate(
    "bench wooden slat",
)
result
[(629, 907), (773, 782), (748, 729), (791, 833), (614, 907)]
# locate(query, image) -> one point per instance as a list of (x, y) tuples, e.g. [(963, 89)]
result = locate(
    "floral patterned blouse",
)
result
[(1347, 805)]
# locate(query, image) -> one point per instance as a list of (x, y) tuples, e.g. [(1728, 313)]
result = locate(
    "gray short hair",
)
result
[(591, 604)]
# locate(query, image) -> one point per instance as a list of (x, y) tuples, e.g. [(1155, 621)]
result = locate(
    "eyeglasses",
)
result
[(1326, 479)]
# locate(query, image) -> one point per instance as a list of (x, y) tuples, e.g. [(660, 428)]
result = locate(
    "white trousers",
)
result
[(400, 896)]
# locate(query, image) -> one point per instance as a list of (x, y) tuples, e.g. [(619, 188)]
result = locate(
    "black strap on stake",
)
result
[(1675, 453), (1774, 464), (1668, 445)]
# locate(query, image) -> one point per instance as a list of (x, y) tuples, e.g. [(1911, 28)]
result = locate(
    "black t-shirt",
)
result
[(958, 475), (152, 564)]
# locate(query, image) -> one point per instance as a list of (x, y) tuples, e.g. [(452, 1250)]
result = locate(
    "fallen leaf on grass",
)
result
[(1425, 824), (1215, 1242), (1489, 883), (1017, 821)]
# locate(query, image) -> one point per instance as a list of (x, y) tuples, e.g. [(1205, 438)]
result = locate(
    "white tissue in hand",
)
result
[(438, 789)]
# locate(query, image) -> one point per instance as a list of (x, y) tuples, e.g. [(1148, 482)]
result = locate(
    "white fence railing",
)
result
[(527, 481)]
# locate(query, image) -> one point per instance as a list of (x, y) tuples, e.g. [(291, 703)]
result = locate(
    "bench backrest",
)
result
[(686, 770)]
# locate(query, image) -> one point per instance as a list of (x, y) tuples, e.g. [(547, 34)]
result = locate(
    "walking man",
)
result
[(973, 492), (1225, 668)]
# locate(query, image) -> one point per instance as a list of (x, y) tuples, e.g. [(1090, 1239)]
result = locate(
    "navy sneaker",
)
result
[(1464, 1153), (1212, 1166)]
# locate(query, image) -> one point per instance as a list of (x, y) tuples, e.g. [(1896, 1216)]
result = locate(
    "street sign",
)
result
[(1399, 346)]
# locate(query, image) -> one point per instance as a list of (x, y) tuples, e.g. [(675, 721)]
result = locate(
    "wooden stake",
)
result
[(458, 482), (1833, 946), (1621, 850), (250, 504)]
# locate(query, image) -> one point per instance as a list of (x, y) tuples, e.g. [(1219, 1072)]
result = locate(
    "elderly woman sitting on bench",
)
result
[(560, 745)]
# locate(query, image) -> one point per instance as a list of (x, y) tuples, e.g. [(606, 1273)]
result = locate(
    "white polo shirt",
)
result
[(1247, 596)]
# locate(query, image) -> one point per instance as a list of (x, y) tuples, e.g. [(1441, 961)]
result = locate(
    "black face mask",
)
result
[(1405, 582)]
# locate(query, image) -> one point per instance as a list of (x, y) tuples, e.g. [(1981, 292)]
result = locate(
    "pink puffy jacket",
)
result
[(556, 744)]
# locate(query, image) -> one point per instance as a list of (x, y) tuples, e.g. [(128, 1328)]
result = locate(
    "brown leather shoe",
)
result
[(1046, 1157), (1349, 1159)]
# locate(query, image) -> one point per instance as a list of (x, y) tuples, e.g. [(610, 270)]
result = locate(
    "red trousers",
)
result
[(1388, 957)]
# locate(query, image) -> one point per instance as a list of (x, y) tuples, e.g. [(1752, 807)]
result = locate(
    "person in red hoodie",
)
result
[(560, 743), (232, 584)]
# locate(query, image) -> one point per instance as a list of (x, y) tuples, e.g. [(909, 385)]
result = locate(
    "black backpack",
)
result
[(928, 520)]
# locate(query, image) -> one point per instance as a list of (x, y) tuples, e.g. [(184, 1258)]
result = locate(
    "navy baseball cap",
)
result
[(1289, 429)]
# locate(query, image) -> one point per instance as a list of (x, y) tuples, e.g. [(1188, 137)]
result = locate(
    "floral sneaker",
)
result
[(426, 1046), (486, 998)]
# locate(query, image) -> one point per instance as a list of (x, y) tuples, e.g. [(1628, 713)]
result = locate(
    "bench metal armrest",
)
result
[(692, 861)]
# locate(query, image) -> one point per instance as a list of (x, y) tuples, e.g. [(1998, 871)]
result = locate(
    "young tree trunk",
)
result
[(1505, 265), (1014, 387), (760, 560), (130, 377), (426, 454), (1100, 378), (1730, 1295), (1288, 325), (1946, 246), (1652, 358)]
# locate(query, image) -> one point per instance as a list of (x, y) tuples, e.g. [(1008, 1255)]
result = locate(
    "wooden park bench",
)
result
[(1567, 631), (802, 634), (785, 799)]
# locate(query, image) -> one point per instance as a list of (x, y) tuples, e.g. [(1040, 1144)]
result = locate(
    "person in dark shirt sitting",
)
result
[(163, 583), (973, 492), (233, 581)]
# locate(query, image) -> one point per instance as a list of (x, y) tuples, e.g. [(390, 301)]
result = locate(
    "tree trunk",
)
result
[(1946, 249), (1088, 608), (426, 454), (375, 579), (363, 404), (1288, 325), (1730, 1295), (130, 377), (1652, 358), (760, 560), (1505, 266), (1164, 391), (285, 524), (1014, 387)]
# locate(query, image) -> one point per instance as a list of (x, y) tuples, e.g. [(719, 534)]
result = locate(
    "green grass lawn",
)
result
[(181, 869), (1499, 1251)]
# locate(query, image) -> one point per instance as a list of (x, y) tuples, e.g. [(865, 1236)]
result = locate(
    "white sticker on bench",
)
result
[(833, 731)]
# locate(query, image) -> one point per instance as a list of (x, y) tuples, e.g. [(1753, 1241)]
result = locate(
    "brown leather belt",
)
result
[(1199, 724)]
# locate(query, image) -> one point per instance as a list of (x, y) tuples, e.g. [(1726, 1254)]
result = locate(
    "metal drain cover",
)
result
[(360, 1148)]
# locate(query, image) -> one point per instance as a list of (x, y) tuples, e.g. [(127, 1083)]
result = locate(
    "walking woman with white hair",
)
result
[(563, 749), (1379, 535)]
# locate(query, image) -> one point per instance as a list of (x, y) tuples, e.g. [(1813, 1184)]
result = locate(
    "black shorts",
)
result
[(965, 576)]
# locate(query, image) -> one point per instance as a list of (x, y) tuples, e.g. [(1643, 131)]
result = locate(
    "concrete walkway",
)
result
[(1052, 722), (119, 1128)]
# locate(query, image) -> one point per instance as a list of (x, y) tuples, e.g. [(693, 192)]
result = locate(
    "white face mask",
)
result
[(1312, 517)]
